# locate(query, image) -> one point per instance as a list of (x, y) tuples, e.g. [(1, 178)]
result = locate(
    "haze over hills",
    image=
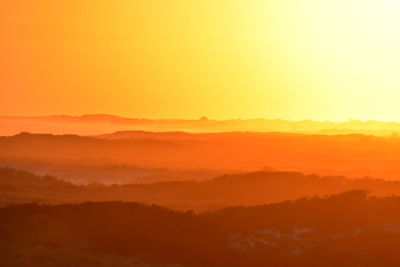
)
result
[(104, 123), (246, 189), (218, 208), (198, 156), (189, 133)]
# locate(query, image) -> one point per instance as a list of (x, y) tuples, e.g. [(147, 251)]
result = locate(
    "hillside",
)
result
[(214, 153), (349, 229), (223, 191)]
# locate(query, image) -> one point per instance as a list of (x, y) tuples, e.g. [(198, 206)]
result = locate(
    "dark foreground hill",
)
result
[(223, 191), (349, 229)]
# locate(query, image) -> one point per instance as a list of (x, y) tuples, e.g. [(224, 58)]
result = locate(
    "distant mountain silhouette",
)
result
[(145, 134), (92, 124)]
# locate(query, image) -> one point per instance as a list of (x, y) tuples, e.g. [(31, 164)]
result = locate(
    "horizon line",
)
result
[(201, 118)]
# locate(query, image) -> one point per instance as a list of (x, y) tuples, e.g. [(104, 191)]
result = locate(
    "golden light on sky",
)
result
[(291, 59)]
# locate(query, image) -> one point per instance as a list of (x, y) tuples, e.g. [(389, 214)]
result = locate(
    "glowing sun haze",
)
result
[(291, 59)]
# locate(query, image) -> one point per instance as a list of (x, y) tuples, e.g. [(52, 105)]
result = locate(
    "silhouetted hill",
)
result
[(229, 190), (145, 134), (12, 177), (349, 155), (103, 123), (349, 229)]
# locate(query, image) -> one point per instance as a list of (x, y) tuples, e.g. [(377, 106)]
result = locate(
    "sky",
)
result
[(290, 59)]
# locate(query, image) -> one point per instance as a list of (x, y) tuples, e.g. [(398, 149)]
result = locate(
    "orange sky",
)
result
[(310, 59)]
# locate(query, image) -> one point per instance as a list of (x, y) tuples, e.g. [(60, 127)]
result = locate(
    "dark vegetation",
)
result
[(349, 229)]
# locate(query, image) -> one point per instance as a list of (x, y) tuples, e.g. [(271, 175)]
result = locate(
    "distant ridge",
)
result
[(254, 188), (144, 134), (96, 124), (352, 155)]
